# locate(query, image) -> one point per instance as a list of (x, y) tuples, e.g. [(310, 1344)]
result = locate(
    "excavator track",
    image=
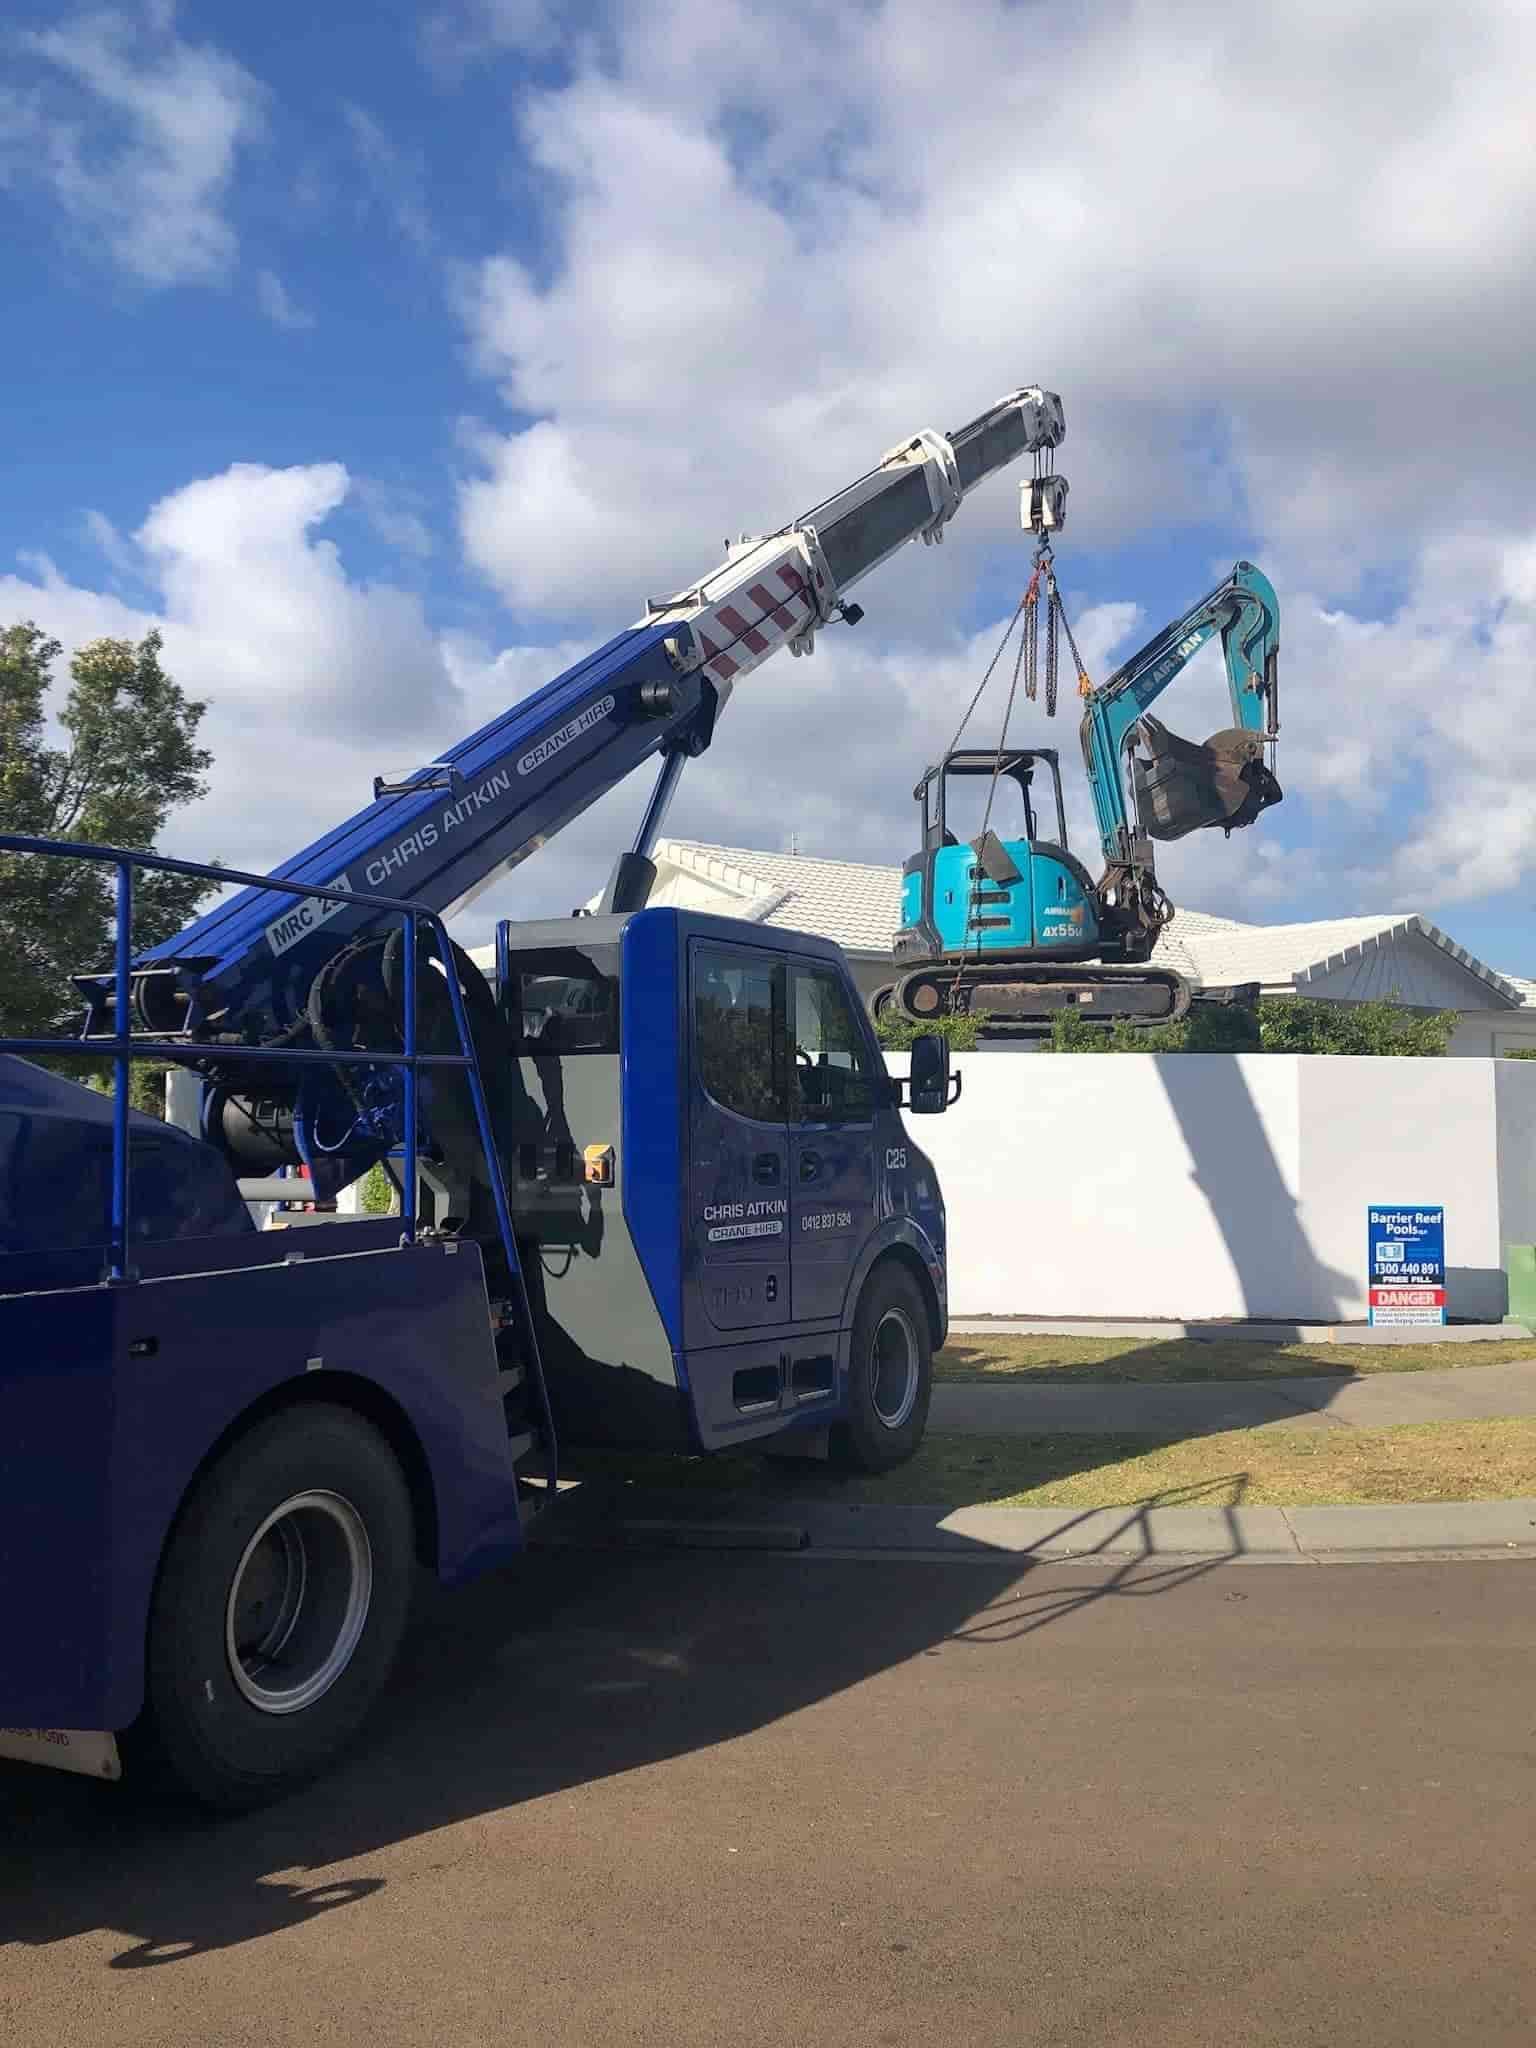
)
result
[(1021, 1001)]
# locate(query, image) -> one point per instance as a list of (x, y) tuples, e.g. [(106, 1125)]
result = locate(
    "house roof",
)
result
[(857, 904), (1294, 955), (852, 902)]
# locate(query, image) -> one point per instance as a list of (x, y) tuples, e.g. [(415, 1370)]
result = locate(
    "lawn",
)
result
[(1145, 1359), (1434, 1461)]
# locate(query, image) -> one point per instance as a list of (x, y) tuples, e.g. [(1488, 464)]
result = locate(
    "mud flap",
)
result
[(90, 1752), (1181, 787)]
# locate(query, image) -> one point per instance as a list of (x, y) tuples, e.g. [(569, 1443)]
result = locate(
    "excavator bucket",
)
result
[(1181, 787)]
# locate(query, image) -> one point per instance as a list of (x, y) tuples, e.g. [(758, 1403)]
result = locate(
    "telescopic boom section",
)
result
[(441, 834)]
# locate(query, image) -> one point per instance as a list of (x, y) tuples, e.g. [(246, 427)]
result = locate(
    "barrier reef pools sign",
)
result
[(1407, 1265)]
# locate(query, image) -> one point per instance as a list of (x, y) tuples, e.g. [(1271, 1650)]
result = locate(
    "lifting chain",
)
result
[(1056, 623), (1032, 635)]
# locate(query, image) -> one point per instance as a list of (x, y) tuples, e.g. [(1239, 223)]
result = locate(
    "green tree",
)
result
[(1380, 1029), (129, 757), (1283, 1024), (377, 1193), (896, 1032)]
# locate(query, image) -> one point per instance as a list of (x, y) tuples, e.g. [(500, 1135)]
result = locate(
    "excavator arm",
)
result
[(1177, 787)]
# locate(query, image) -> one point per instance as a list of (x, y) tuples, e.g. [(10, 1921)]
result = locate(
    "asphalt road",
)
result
[(725, 1798)]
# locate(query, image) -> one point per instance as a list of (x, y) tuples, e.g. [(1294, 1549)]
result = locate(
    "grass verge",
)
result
[(971, 1359), (1433, 1461)]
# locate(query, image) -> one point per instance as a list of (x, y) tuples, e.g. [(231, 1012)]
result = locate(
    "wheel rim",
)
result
[(894, 1368), (298, 1602)]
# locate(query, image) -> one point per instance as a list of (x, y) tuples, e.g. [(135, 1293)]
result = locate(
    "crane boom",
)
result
[(445, 832)]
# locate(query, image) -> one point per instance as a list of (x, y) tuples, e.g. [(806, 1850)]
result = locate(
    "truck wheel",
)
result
[(890, 1374), (279, 1610)]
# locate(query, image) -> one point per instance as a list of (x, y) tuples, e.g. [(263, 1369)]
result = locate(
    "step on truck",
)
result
[(654, 1189)]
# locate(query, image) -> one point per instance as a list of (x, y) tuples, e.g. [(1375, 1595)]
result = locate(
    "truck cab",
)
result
[(709, 1165)]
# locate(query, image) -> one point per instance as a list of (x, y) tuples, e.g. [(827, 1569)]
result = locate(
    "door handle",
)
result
[(810, 1165), (766, 1169)]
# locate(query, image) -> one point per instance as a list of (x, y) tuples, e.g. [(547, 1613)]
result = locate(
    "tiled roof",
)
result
[(1291, 955), (852, 902), (857, 904)]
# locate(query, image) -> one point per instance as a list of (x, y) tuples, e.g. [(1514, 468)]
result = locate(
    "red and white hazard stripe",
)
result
[(751, 607), (769, 600)]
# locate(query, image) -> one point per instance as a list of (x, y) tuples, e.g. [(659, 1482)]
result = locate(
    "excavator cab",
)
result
[(995, 874)]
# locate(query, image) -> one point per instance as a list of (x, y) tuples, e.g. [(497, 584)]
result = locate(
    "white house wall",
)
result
[(1487, 1034), (1194, 1187)]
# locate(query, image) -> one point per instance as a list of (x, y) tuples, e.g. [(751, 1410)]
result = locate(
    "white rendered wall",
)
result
[(1193, 1186)]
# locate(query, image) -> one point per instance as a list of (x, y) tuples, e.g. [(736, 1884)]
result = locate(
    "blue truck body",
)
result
[(113, 1398)]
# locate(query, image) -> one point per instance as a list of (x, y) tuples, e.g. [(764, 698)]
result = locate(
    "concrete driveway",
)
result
[(729, 1798)]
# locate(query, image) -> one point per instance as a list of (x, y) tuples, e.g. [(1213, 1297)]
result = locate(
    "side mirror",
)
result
[(931, 1089)]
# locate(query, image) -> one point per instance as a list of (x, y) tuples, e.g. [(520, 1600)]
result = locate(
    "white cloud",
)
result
[(314, 681), (1283, 263), (394, 175), (272, 297), (135, 132), (119, 552), (1282, 269), (389, 511), (461, 34)]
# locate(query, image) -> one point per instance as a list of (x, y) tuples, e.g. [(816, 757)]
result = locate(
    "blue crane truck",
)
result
[(654, 1189)]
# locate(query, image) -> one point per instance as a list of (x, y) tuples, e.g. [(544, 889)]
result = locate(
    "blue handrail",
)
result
[(125, 1048)]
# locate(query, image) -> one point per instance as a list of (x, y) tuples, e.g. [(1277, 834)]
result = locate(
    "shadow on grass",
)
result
[(947, 1472), (1037, 1361)]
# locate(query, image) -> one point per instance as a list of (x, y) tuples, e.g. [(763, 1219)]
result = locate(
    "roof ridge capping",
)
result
[(694, 854), (820, 860), (1463, 958)]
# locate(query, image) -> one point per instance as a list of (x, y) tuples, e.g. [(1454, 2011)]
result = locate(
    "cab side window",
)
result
[(832, 1079), (738, 1031)]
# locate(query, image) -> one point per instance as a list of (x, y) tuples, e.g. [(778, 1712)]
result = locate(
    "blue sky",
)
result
[(389, 357)]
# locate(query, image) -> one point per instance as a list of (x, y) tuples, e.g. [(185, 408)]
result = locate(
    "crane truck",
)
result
[(654, 1189), (1010, 927)]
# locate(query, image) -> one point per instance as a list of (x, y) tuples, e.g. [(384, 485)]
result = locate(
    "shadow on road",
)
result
[(566, 1670)]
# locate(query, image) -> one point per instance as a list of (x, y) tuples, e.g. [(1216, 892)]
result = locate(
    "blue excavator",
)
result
[(1009, 926)]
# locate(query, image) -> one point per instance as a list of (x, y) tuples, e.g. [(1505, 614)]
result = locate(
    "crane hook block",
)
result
[(1043, 504)]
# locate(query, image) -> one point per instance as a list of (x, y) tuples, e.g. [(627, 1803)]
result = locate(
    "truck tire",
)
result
[(279, 1609), (890, 1374)]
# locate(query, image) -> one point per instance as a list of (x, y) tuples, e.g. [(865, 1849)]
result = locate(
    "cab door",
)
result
[(833, 1092), (738, 1135)]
